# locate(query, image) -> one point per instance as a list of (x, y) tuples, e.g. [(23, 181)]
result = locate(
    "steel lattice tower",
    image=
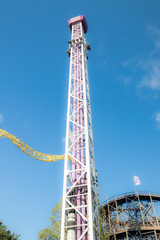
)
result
[(80, 219)]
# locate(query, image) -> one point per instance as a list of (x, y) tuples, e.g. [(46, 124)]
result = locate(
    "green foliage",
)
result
[(102, 215), (53, 231), (6, 234)]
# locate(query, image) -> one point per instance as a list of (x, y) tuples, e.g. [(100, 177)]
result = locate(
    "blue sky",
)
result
[(124, 74)]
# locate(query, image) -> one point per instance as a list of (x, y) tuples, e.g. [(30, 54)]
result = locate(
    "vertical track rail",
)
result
[(80, 189)]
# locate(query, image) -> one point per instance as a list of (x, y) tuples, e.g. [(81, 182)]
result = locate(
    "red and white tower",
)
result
[(80, 218)]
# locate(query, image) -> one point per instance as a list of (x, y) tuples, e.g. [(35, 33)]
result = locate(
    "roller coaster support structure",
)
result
[(80, 189)]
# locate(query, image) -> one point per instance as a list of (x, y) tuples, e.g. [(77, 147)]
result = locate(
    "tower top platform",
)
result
[(76, 20)]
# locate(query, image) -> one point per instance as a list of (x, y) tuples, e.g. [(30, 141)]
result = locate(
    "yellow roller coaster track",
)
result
[(28, 150)]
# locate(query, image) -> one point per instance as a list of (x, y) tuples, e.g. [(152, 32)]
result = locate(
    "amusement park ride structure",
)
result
[(80, 190), (80, 218), (133, 215)]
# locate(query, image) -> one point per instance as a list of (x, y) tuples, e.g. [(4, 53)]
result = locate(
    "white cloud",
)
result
[(126, 63), (127, 80), (102, 59), (100, 48), (157, 119), (151, 65), (155, 34), (1, 118), (104, 62), (151, 78)]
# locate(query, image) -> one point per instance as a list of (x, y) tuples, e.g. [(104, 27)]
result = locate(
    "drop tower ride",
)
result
[(80, 218)]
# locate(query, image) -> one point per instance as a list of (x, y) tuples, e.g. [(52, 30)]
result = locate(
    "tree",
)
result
[(6, 234), (53, 231), (102, 216)]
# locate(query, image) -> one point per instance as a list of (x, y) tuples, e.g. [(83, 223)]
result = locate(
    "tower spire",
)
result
[(80, 219)]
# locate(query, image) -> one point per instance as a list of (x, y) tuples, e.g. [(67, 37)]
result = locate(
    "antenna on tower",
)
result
[(80, 218)]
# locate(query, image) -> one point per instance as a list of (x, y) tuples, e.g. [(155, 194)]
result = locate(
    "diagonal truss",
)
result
[(80, 190), (133, 216)]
